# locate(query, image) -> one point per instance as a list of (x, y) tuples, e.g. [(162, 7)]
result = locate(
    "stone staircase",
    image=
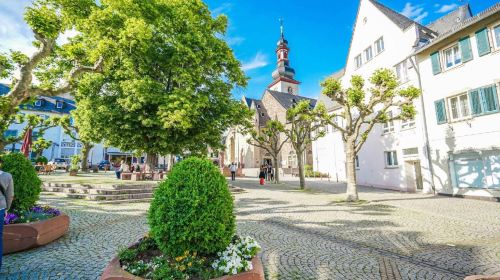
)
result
[(102, 193)]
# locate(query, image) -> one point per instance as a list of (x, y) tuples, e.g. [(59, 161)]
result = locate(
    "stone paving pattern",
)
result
[(304, 235)]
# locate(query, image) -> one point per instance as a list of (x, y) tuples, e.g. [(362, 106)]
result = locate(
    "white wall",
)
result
[(480, 133)]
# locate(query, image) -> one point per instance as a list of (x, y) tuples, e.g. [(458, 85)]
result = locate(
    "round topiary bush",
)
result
[(192, 210), (42, 159), (26, 182)]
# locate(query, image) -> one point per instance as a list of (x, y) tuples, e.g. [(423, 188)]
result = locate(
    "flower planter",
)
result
[(73, 173), (114, 272), (20, 237)]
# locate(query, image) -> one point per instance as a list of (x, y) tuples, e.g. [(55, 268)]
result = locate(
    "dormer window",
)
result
[(290, 90), (261, 114), (294, 101), (38, 103), (258, 106), (59, 104)]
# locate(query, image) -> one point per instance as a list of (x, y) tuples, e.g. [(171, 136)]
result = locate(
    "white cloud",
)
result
[(234, 41), (446, 8), (417, 12), (15, 33), (222, 9), (64, 37), (259, 61)]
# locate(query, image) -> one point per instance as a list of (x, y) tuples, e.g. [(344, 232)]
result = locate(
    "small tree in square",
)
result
[(362, 108), (271, 138), (302, 120)]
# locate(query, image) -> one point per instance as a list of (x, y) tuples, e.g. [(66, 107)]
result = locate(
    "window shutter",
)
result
[(475, 102), (440, 111), (436, 63), (465, 49), (483, 43), (489, 100)]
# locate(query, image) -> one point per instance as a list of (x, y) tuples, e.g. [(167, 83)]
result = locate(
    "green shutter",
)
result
[(466, 49), (475, 102), (440, 111), (483, 43), (489, 99), (436, 63)]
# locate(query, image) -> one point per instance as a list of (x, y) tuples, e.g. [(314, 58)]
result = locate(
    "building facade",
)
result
[(460, 74), (279, 96), (446, 155)]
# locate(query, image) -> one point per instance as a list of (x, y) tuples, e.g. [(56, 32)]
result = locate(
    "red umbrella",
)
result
[(28, 140)]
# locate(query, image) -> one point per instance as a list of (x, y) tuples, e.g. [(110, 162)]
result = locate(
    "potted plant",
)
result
[(28, 225), (192, 232), (75, 161)]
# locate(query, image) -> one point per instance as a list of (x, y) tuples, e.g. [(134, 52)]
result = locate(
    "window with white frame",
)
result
[(408, 123), (368, 53), (402, 71), (379, 45), (459, 107), (59, 104), (391, 159), (38, 103), (496, 36), (389, 126), (358, 61), (452, 56)]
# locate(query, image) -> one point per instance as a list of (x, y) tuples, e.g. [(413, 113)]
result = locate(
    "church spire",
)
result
[(283, 72)]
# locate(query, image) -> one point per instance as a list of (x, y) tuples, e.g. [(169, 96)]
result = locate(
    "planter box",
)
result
[(20, 237), (114, 272)]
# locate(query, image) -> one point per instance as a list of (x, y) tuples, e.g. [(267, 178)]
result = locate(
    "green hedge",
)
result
[(192, 210), (41, 159), (27, 185)]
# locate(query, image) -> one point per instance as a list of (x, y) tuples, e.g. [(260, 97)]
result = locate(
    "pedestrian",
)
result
[(262, 175), (123, 168), (233, 169), (6, 197), (269, 172)]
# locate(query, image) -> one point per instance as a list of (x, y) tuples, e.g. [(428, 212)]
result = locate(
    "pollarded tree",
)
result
[(167, 89), (38, 125), (363, 108), (302, 120), (270, 138), (40, 145)]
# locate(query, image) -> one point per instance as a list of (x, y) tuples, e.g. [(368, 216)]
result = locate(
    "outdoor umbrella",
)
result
[(28, 140)]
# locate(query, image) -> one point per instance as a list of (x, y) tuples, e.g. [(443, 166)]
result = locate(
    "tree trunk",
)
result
[(276, 171), (2, 147), (86, 147), (171, 162), (300, 162), (151, 162), (352, 188)]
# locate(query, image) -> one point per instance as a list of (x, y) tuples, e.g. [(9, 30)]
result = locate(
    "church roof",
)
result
[(287, 100), (249, 101), (262, 111)]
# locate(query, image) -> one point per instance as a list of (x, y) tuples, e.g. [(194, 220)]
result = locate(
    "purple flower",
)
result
[(10, 218)]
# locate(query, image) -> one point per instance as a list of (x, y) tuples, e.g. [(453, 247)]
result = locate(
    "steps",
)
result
[(102, 193)]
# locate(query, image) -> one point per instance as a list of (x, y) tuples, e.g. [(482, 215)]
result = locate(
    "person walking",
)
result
[(269, 170), (262, 175), (233, 169), (123, 168), (6, 198)]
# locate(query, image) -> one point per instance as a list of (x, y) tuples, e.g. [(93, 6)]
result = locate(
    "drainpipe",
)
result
[(426, 132)]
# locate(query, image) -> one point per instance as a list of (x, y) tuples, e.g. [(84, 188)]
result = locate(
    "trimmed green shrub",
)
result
[(26, 182), (75, 162), (41, 159), (192, 210)]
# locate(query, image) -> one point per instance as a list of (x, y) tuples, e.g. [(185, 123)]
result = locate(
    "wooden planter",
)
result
[(114, 272), (20, 237)]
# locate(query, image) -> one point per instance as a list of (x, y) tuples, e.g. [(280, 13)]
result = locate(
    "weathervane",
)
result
[(281, 27)]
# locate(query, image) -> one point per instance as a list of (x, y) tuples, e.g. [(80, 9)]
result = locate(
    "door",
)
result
[(410, 176), (418, 175)]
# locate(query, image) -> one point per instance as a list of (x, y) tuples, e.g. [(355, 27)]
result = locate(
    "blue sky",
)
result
[(318, 32)]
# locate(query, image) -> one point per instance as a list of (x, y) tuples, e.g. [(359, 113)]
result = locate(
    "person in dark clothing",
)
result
[(262, 175), (269, 172), (233, 169)]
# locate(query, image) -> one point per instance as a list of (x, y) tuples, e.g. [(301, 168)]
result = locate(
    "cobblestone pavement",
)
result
[(304, 235), (310, 235)]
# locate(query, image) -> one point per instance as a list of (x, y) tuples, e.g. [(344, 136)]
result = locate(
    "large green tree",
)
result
[(166, 89), (302, 120), (362, 108)]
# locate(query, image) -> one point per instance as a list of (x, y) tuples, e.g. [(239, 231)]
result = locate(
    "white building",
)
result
[(395, 156), (63, 146), (460, 73)]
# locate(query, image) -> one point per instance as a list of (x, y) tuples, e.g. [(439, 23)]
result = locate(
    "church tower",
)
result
[(283, 76)]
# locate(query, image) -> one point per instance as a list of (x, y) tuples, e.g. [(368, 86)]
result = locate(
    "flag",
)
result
[(28, 140)]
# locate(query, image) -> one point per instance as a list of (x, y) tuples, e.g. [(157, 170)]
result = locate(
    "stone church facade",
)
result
[(281, 94)]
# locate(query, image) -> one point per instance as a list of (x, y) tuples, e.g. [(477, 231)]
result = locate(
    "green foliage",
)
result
[(309, 172), (42, 159), (26, 182), (44, 20), (40, 145), (192, 210), (75, 162)]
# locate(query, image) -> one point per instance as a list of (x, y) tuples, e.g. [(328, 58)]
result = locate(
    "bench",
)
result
[(126, 176)]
